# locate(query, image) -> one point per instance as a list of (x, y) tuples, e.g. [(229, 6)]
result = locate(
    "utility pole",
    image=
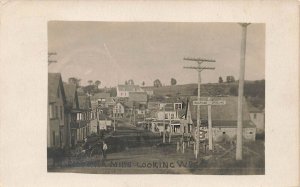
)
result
[(164, 125), (239, 137), (114, 113), (171, 131), (210, 137), (115, 122), (199, 68), (134, 115), (49, 55), (130, 115)]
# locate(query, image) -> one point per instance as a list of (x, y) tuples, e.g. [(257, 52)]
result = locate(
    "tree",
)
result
[(113, 92), (173, 81), (220, 80), (130, 82), (90, 82), (143, 83), (97, 83), (157, 83), (75, 81), (89, 89), (233, 91), (230, 79)]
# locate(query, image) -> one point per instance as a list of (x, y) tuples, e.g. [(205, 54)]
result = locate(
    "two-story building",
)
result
[(101, 99), (169, 114), (83, 117), (56, 130), (138, 97), (124, 90), (118, 110), (257, 116), (71, 110)]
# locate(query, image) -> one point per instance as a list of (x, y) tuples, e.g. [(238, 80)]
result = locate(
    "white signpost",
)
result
[(209, 102)]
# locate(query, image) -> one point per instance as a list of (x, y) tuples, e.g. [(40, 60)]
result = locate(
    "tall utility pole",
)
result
[(199, 68), (49, 55), (210, 137), (171, 131), (134, 115), (114, 121), (164, 125), (239, 137)]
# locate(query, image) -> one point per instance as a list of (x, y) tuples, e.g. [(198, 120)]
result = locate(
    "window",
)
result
[(250, 132), (166, 116), (58, 92), (61, 112), (51, 111), (172, 116), (178, 106), (254, 116), (61, 138), (53, 137), (56, 111)]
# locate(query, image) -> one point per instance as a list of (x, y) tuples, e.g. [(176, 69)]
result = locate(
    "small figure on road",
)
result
[(104, 149)]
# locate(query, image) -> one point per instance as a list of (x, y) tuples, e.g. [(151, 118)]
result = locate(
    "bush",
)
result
[(55, 152), (260, 136)]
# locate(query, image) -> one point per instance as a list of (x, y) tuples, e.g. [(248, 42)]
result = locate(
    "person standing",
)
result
[(104, 149)]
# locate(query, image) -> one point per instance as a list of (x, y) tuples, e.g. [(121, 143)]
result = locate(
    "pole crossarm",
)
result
[(244, 24), (201, 68), (199, 59)]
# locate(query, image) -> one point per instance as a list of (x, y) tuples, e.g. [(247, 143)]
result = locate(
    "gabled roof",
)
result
[(153, 105), (128, 104), (129, 88), (227, 112), (138, 96), (168, 107), (84, 102), (55, 82), (100, 96), (71, 95), (111, 100), (231, 124)]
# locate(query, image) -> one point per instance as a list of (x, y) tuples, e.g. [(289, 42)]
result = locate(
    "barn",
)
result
[(224, 118)]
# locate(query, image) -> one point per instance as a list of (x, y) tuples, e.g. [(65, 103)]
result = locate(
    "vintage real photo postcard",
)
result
[(156, 98)]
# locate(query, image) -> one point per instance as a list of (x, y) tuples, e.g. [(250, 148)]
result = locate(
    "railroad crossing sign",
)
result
[(209, 103)]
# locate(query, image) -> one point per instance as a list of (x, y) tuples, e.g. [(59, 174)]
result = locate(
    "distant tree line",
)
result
[(229, 79), (91, 88)]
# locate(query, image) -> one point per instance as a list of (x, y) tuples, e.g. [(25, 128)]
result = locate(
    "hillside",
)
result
[(253, 90), (192, 89)]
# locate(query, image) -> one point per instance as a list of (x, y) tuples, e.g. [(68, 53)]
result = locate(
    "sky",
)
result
[(114, 52)]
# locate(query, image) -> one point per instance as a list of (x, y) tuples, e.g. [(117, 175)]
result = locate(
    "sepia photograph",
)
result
[(149, 93), (156, 98)]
